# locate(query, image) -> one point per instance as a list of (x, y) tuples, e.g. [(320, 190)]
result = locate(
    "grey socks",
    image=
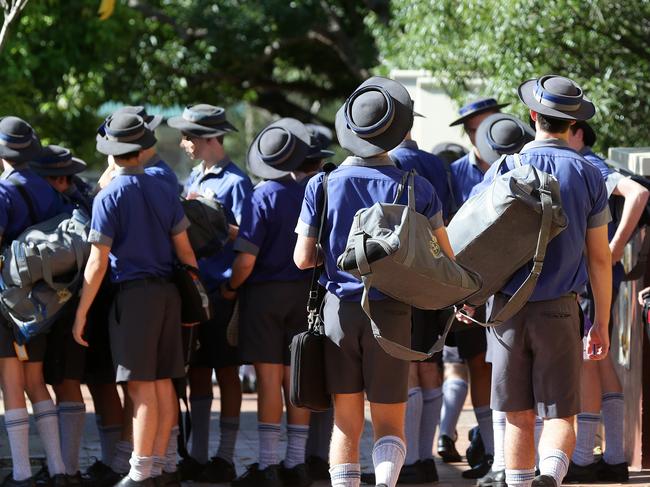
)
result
[(431, 404), (613, 409), (454, 392), (296, 442), (484, 418), (345, 475), (583, 454), (520, 478), (108, 438), (157, 466), (200, 415), (412, 420), (229, 427), (72, 416), (17, 424), (47, 424), (269, 438), (123, 451), (555, 463), (499, 431), (388, 457), (172, 452), (140, 468)]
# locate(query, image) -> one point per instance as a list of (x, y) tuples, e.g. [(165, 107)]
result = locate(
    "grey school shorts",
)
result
[(354, 361), (537, 358), (270, 315), (145, 331)]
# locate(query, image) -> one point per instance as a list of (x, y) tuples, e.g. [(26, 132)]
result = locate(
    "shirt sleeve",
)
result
[(599, 214), (252, 230), (103, 224), (612, 181), (308, 221)]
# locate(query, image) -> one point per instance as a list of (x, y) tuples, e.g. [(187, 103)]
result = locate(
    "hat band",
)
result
[(46, 165), (553, 100), (283, 154), (124, 138), (377, 128), (15, 142), (203, 118), (472, 107)]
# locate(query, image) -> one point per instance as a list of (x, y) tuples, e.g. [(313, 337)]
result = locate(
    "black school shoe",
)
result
[(579, 474), (167, 479), (480, 469), (42, 477), (129, 482), (613, 473), (544, 481), (447, 450), (10, 482), (100, 475), (430, 471), (190, 469), (217, 471), (493, 479), (318, 468), (297, 476), (254, 477), (476, 450)]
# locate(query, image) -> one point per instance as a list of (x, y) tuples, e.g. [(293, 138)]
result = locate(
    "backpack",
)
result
[(208, 232), (499, 230), (392, 248)]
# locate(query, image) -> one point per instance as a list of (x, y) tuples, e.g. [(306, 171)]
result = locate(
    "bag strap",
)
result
[(20, 187)]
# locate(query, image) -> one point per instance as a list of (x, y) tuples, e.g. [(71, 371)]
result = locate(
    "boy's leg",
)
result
[(297, 427), (345, 470), (16, 416), (143, 395), (389, 451), (72, 416)]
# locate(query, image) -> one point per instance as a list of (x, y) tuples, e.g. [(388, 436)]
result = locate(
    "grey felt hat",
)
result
[(448, 151), (124, 133), (375, 118), (204, 121), (476, 107), (321, 138), (556, 97), (279, 149), (152, 121), (18, 141), (500, 134), (55, 160)]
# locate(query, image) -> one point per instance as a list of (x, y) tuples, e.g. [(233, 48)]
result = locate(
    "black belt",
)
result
[(143, 282)]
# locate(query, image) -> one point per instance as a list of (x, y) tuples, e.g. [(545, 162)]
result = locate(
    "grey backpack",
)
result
[(499, 230), (391, 247)]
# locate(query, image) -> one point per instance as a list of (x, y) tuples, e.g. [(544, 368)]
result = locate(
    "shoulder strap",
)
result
[(27, 198)]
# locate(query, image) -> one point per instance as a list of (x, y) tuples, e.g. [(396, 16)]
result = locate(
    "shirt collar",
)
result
[(14, 168), (408, 144), (153, 160), (472, 158), (586, 150), (216, 169), (559, 143), (368, 162), (129, 171)]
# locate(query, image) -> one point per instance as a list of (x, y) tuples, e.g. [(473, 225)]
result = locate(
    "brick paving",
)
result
[(246, 451)]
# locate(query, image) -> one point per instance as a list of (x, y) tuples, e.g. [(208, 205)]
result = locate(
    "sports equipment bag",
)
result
[(501, 229), (208, 232), (392, 248)]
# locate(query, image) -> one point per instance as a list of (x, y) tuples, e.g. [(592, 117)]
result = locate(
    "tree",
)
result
[(601, 44), (12, 10)]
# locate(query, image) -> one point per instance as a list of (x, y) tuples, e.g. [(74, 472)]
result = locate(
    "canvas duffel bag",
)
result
[(208, 232)]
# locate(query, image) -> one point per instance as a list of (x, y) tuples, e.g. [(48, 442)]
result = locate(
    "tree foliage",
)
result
[(490, 46)]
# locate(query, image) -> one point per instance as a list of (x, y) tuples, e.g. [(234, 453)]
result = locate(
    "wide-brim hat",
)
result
[(204, 121), (588, 134), (556, 97), (279, 149), (476, 107), (152, 121), (449, 151), (124, 133), (55, 160), (375, 118), (321, 138), (500, 134), (18, 141)]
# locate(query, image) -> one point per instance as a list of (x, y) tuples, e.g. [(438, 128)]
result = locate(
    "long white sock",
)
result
[(583, 454), (454, 393), (345, 475), (555, 463), (499, 430), (229, 427), (613, 409), (47, 424), (140, 467), (17, 424), (200, 437), (296, 442), (388, 457), (431, 404), (484, 418), (412, 421), (520, 478), (72, 416), (269, 440)]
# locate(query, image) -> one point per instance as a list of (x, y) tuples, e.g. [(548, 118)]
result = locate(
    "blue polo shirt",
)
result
[(136, 217), (230, 186), (584, 200), (465, 174), (159, 168), (267, 231), (408, 156), (14, 212), (357, 183)]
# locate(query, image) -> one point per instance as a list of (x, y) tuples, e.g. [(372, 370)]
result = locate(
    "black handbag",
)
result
[(308, 388), (195, 304)]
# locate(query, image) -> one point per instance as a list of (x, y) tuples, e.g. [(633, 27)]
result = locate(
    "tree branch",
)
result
[(12, 11)]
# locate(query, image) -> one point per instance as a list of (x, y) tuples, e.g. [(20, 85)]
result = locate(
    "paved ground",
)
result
[(247, 445)]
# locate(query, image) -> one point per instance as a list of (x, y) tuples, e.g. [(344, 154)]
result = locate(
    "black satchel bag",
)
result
[(195, 304), (308, 387)]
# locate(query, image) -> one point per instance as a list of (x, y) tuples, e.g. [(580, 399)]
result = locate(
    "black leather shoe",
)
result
[(10, 482), (480, 469), (544, 481), (129, 482), (578, 474), (217, 471), (167, 479), (190, 469), (59, 480), (493, 479), (100, 475), (318, 468), (430, 471), (74, 480), (254, 477), (42, 477), (613, 473), (297, 476), (476, 450), (447, 450)]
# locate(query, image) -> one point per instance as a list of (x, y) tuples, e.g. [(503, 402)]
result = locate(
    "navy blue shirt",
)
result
[(159, 168), (136, 217), (357, 183), (409, 157), (584, 200), (14, 212), (465, 174), (268, 230), (231, 187)]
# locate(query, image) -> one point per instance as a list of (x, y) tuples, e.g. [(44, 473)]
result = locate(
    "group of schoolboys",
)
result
[(524, 373)]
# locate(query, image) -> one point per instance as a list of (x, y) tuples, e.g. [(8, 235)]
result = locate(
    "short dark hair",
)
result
[(310, 165), (553, 125), (128, 155)]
